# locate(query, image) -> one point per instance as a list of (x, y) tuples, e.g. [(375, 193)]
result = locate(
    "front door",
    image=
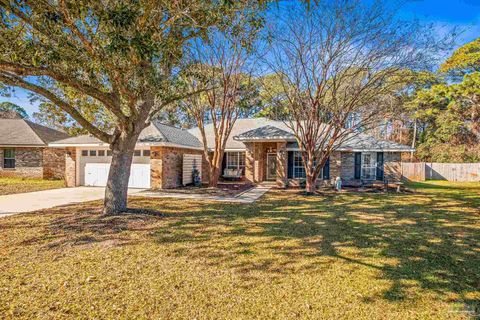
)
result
[(271, 166)]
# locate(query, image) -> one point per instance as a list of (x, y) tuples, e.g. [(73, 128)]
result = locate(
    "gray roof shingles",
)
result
[(278, 130), (20, 132), (366, 142), (244, 129), (265, 132), (156, 132)]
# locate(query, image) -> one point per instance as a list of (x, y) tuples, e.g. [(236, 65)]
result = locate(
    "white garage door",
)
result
[(96, 174)]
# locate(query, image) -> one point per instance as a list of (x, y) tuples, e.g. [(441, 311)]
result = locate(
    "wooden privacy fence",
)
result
[(421, 171)]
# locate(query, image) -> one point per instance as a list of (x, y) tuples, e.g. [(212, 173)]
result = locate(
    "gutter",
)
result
[(141, 144)]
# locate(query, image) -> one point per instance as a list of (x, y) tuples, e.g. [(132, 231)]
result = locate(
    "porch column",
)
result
[(281, 165), (249, 162)]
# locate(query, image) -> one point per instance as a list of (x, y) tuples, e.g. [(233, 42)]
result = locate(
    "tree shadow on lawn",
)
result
[(427, 240)]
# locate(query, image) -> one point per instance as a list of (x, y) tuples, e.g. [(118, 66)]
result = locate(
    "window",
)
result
[(137, 153), (235, 160), (369, 166), (146, 153), (101, 153), (9, 158), (109, 153), (93, 153), (298, 168), (84, 153)]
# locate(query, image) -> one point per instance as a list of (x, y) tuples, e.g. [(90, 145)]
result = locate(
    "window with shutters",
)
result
[(299, 169), (369, 165)]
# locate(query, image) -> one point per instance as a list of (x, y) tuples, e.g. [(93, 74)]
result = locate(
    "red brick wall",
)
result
[(28, 163), (166, 166), (53, 163), (70, 167)]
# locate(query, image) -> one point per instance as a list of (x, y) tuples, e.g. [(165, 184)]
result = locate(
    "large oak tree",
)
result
[(124, 55)]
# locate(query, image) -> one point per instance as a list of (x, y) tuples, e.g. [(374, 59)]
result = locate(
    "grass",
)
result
[(21, 185), (340, 256)]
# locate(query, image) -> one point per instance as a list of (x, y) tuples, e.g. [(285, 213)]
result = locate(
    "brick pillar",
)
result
[(71, 167), (259, 162), (156, 167), (281, 164), (249, 162)]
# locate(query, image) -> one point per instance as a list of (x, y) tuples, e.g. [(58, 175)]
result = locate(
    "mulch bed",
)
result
[(223, 189)]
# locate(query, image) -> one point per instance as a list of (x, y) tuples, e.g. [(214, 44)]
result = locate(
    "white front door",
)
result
[(96, 175)]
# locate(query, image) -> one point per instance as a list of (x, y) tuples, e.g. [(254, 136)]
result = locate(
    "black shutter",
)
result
[(326, 170), (380, 166), (290, 165), (358, 165)]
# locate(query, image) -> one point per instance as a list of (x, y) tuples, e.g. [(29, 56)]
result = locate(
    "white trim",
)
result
[(23, 146), (278, 138), (374, 150), (362, 150), (232, 149), (141, 144)]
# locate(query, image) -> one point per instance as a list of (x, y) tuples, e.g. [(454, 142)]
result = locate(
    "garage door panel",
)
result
[(96, 174)]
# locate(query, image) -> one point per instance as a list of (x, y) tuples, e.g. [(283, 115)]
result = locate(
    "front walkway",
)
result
[(248, 196), (32, 201)]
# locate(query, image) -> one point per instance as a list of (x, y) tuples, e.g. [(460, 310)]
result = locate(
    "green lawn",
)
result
[(336, 256), (21, 185)]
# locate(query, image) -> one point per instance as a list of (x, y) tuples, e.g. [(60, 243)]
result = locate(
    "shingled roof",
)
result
[(155, 133), (241, 126), (276, 130), (267, 132), (365, 142), (20, 132)]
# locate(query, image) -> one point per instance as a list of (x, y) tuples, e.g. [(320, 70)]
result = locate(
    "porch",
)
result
[(266, 161)]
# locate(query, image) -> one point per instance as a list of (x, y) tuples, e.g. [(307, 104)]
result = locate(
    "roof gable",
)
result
[(267, 132), (155, 133), (20, 132)]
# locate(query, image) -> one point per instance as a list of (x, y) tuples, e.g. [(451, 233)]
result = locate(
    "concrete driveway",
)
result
[(32, 201)]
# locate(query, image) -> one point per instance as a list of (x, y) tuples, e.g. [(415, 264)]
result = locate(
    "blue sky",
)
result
[(445, 14)]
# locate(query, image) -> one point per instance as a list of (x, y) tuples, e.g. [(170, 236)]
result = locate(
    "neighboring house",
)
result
[(24, 150), (262, 149)]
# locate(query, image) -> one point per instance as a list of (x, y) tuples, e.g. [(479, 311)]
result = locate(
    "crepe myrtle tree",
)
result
[(332, 67), (223, 71), (124, 55)]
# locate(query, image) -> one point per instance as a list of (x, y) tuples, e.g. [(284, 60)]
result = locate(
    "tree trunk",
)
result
[(310, 186), (215, 169), (214, 177), (117, 185), (414, 139)]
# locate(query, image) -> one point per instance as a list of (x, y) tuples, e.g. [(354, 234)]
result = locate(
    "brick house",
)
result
[(261, 149), (24, 150), (157, 160), (266, 150)]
